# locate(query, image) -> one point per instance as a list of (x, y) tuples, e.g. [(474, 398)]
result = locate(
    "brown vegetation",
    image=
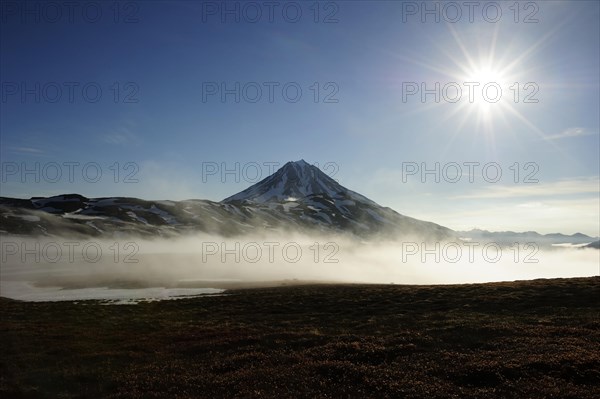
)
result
[(530, 339)]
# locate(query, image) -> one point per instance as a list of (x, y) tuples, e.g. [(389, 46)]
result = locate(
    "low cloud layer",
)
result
[(204, 261)]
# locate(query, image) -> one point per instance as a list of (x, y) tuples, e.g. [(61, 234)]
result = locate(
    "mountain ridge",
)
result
[(298, 196)]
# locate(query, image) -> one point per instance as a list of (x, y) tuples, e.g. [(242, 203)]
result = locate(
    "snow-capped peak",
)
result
[(295, 180)]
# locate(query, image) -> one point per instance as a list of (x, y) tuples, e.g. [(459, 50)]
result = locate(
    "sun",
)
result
[(488, 87), (485, 74), (492, 79), (482, 87)]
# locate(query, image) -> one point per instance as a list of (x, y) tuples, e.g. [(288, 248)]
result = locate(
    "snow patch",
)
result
[(25, 291)]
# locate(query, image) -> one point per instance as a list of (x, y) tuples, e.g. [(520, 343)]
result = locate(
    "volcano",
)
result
[(297, 197), (295, 180)]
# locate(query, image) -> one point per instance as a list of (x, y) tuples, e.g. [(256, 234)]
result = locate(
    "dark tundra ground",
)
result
[(530, 339)]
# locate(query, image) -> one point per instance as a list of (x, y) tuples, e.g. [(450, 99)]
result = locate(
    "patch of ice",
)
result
[(25, 291)]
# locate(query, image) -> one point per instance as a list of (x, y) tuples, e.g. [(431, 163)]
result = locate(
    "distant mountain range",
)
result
[(509, 237), (298, 197)]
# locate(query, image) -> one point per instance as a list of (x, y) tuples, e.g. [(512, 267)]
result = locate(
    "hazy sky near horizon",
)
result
[(185, 99)]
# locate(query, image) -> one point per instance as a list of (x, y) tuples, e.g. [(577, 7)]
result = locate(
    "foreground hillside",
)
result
[(531, 339)]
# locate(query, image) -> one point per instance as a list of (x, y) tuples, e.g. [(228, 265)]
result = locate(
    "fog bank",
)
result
[(30, 268)]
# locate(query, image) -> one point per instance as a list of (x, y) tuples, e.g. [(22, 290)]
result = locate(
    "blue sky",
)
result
[(141, 84)]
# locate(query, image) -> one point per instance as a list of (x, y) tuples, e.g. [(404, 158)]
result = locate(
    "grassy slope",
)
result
[(529, 339)]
